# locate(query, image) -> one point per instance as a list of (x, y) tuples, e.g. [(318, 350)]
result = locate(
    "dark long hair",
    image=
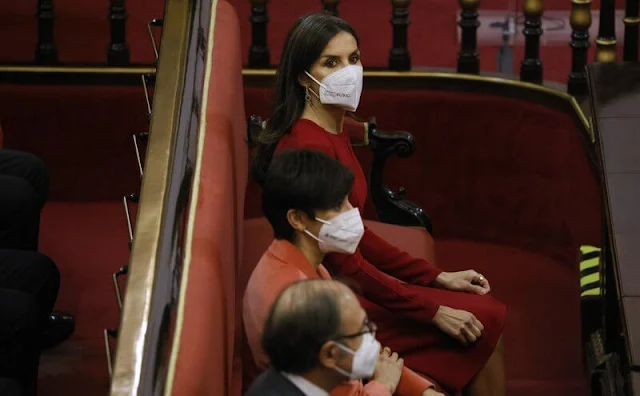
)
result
[(303, 46)]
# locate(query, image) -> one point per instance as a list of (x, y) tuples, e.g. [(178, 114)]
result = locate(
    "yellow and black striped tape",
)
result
[(590, 281)]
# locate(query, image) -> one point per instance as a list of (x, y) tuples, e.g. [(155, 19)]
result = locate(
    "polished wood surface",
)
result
[(615, 102)]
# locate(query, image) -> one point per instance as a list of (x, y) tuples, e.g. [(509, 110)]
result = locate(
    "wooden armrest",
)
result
[(391, 206)]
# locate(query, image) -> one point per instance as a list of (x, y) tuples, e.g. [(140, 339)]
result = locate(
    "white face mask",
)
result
[(340, 235), (364, 359), (341, 88)]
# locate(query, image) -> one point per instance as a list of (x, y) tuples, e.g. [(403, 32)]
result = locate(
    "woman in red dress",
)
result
[(445, 325)]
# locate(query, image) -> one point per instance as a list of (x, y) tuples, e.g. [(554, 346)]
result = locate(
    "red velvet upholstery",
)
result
[(486, 168), (542, 334), (208, 359)]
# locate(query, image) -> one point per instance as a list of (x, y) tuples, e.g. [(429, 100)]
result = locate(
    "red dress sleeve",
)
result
[(381, 289), (395, 262)]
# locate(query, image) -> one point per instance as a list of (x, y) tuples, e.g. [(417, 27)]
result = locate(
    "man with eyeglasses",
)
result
[(317, 336), (304, 197)]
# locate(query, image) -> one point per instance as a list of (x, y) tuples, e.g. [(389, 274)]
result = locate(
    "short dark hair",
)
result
[(303, 46), (305, 180), (304, 317)]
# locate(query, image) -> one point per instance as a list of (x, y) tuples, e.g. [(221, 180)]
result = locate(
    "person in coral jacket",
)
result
[(308, 183), (424, 310)]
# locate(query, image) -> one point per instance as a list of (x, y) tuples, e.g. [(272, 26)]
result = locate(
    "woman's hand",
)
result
[(459, 324), (465, 281), (389, 369)]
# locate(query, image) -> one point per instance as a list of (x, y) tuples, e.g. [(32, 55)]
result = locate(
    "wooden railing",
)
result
[(46, 50), (155, 265), (531, 70)]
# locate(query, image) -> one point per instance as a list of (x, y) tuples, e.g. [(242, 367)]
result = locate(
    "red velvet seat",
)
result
[(540, 292)]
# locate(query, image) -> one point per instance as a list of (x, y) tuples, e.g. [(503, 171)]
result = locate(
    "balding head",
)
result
[(304, 317)]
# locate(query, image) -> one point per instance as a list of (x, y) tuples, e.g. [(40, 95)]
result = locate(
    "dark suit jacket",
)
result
[(272, 383)]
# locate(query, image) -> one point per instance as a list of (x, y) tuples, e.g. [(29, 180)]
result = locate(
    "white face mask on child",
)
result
[(341, 88), (342, 234)]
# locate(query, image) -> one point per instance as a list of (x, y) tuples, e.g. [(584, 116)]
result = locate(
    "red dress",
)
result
[(403, 311)]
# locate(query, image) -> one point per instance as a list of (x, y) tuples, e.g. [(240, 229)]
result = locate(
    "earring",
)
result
[(307, 97)]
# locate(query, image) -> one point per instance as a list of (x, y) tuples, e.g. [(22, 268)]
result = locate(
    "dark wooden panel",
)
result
[(624, 202), (620, 139)]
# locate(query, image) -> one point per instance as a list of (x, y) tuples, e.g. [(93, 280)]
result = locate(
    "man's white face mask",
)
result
[(341, 234), (364, 359), (341, 88)]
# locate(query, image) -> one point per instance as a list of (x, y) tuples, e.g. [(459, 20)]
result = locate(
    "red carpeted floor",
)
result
[(88, 241)]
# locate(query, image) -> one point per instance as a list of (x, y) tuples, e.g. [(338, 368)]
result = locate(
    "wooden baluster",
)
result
[(606, 41), (531, 67), (331, 7), (468, 57), (399, 55), (631, 24), (259, 56), (46, 52), (118, 53), (580, 24)]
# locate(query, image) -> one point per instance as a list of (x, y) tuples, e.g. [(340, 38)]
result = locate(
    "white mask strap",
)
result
[(313, 78), (346, 348), (317, 82), (341, 371), (311, 235), (349, 351), (313, 92)]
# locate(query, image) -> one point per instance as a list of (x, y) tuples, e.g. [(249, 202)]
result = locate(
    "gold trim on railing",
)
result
[(131, 362), (130, 70), (193, 204), (631, 20), (606, 50)]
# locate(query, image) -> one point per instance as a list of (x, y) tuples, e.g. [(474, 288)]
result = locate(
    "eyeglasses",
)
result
[(368, 328)]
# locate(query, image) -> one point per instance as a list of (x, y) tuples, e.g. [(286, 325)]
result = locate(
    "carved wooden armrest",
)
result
[(391, 206)]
